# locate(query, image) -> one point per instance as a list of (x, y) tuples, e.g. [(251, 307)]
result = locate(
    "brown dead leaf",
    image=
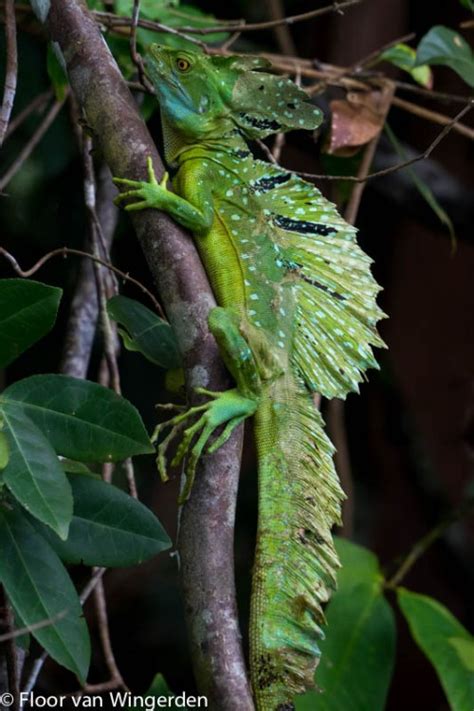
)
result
[(355, 121)]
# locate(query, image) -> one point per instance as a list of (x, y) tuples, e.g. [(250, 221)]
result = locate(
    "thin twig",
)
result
[(9, 651), (111, 347), (20, 632), (112, 21), (282, 31), (278, 145), (338, 7), (361, 63), (263, 146), (431, 93), (228, 43), (64, 252), (352, 208), (405, 164), (11, 68), (89, 588), (434, 116), (35, 672), (136, 58), (37, 104), (32, 143), (424, 543), (104, 633)]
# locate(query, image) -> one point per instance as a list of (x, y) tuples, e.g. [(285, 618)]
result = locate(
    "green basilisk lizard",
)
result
[(296, 315)]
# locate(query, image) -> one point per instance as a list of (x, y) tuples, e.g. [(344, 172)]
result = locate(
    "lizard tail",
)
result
[(296, 563)]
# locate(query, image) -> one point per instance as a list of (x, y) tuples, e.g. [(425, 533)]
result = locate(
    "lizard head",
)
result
[(211, 95), (187, 92)]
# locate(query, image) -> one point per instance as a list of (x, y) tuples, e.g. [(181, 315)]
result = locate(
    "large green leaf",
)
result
[(358, 564), (442, 45), (357, 655), (82, 420), (28, 311), (145, 332), (109, 528), (40, 589), (404, 57), (33, 473), (469, 4), (446, 643)]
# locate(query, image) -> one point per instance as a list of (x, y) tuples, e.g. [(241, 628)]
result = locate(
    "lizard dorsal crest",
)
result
[(262, 103)]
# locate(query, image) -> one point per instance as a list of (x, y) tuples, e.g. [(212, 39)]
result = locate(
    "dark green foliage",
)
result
[(145, 332), (27, 312), (441, 45), (41, 591), (42, 417), (358, 653), (446, 643), (108, 527)]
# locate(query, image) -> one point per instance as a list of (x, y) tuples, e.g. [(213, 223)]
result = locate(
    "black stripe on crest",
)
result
[(265, 184), (303, 227), (265, 124)]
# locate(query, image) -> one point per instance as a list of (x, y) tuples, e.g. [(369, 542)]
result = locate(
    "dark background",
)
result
[(411, 431)]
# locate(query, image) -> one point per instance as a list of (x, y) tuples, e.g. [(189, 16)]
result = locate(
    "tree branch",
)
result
[(11, 69), (178, 273)]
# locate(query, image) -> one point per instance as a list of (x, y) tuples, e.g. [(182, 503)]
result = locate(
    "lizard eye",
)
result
[(183, 64)]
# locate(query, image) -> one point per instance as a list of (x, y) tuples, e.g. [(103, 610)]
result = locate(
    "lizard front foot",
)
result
[(147, 194), (229, 408)]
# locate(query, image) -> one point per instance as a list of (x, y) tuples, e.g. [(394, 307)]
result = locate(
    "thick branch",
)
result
[(125, 143)]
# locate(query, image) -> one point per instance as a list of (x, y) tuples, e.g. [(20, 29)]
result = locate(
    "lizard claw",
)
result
[(145, 192), (227, 408)]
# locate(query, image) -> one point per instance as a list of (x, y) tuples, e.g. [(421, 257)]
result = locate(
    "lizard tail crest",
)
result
[(296, 563)]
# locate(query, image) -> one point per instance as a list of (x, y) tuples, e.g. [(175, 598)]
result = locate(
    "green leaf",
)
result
[(148, 8), (424, 190), (146, 332), (468, 3), (34, 475), (40, 589), (82, 420), (109, 528), (404, 57), (71, 467), (442, 45), (4, 450), (24, 640), (28, 311), (357, 656), (56, 74), (358, 653), (446, 643), (358, 564)]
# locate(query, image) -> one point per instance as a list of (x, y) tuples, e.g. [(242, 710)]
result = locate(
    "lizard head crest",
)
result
[(210, 95)]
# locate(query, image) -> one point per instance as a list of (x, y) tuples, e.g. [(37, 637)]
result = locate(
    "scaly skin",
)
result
[(297, 314)]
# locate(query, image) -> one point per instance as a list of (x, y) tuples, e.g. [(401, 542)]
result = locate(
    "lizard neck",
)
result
[(176, 144)]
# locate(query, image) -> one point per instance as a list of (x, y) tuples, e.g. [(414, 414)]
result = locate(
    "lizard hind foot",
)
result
[(227, 408)]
